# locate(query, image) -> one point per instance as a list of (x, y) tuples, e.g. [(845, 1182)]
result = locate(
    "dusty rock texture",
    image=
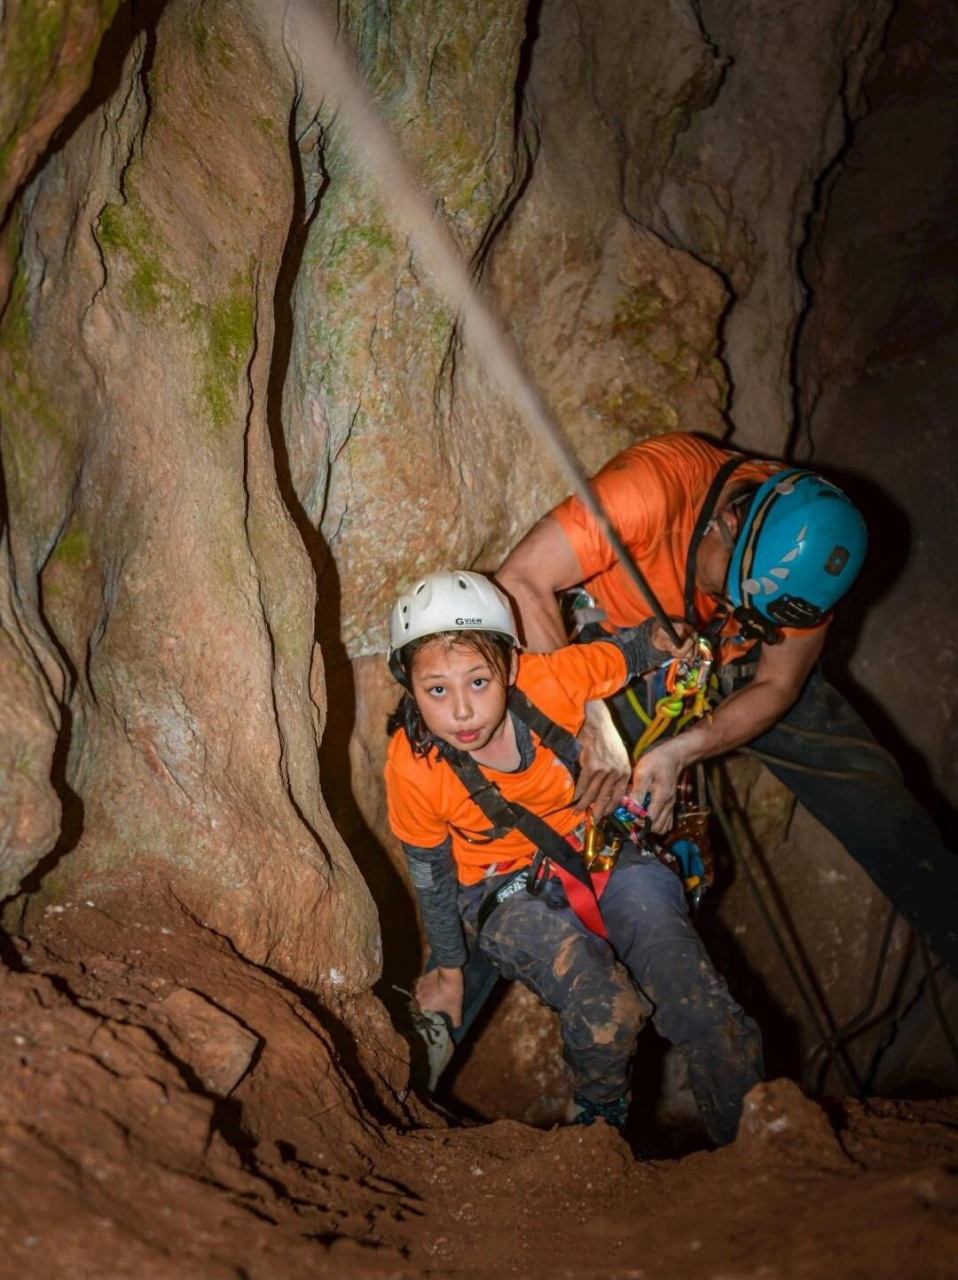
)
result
[(741, 180), (118, 1160), (155, 569)]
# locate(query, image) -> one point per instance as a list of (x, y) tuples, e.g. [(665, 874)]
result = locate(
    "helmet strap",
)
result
[(755, 626), (396, 669)]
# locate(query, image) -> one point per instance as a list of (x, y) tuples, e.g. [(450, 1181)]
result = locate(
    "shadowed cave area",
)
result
[(237, 414)]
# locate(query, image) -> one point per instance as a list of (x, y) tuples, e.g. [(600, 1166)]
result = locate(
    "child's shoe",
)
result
[(614, 1113), (433, 1046)]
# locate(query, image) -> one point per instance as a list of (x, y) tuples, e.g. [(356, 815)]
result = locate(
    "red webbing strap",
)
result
[(584, 901)]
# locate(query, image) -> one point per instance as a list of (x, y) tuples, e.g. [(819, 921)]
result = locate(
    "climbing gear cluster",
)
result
[(682, 695)]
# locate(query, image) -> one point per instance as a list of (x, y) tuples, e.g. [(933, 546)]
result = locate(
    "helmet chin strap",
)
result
[(396, 669), (755, 626)]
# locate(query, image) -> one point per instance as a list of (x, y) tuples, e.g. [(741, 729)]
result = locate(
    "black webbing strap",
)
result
[(509, 816), (559, 741), (701, 524)]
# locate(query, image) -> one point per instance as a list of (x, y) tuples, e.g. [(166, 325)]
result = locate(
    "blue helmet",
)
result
[(800, 548)]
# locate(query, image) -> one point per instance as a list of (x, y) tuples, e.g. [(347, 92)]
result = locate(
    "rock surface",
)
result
[(151, 554), (116, 1163)]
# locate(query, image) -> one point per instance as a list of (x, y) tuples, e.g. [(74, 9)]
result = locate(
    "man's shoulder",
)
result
[(662, 454)]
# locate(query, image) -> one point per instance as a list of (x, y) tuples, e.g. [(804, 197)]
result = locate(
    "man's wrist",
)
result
[(684, 749)]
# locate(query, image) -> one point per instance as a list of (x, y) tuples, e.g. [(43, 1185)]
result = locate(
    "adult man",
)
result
[(697, 522)]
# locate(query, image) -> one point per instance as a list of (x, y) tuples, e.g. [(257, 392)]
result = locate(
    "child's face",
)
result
[(460, 696)]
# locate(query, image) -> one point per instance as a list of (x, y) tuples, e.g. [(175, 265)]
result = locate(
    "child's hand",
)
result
[(440, 991)]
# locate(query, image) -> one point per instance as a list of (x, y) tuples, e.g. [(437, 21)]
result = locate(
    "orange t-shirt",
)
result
[(653, 492), (427, 802)]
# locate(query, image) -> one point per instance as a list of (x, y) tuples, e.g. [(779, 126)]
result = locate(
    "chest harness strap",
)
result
[(555, 855)]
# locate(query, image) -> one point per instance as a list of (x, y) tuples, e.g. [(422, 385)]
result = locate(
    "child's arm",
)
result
[(647, 646), (433, 874)]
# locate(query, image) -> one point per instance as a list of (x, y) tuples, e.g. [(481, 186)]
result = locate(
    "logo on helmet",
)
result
[(468, 622), (836, 561)]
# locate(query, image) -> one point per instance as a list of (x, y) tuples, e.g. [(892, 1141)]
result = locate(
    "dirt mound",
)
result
[(169, 1109)]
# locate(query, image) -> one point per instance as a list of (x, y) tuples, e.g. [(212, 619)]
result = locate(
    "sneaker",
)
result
[(614, 1113), (434, 1034)]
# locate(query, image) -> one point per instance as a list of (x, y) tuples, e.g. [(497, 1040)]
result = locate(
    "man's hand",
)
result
[(440, 991), (604, 763), (657, 775), (685, 649)]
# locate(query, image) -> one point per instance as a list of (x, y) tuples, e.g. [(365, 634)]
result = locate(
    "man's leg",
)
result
[(539, 940), (825, 754), (648, 923)]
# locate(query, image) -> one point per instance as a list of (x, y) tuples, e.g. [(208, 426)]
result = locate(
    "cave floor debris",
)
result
[(169, 1110)]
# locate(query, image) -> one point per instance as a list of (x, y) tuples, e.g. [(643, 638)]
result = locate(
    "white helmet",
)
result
[(449, 601)]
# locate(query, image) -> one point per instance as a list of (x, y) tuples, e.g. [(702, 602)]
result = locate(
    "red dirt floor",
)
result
[(169, 1110)]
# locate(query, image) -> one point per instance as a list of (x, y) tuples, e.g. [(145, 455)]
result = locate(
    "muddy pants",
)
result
[(654, 965)]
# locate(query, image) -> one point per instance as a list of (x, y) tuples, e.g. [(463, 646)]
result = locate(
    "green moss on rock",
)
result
[(32, 43), (127, 230), (229, 326), (639, 313), (73, 549)]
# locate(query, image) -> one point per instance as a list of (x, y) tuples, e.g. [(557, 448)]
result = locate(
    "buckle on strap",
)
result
[(496, 897)]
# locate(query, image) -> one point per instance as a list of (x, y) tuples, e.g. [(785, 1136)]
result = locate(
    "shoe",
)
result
[(614, 1113), (434, 1031)]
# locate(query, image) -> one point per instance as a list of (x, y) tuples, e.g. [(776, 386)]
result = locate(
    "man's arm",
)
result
[(782, 671), (542, 564)]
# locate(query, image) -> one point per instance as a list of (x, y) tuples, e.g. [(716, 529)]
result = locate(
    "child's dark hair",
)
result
[(497, 649)]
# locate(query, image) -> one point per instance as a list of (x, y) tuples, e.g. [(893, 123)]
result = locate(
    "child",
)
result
[(479, 782)]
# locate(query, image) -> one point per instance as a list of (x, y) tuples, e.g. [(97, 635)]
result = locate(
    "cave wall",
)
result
[(163, 596)]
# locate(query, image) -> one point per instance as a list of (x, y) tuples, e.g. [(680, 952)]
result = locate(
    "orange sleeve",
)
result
[(584, 672), (627, 501), (412, 813)]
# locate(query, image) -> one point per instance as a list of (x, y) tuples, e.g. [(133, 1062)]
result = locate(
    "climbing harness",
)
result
[(556, 856)]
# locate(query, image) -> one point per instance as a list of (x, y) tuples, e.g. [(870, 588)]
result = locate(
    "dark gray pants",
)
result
[(654, 965), (825, 754)]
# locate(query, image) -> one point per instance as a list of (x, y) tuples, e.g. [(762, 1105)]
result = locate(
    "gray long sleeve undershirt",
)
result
[(433, 874)]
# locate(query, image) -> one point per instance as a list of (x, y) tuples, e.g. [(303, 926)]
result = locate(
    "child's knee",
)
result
[(604, 1011)]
